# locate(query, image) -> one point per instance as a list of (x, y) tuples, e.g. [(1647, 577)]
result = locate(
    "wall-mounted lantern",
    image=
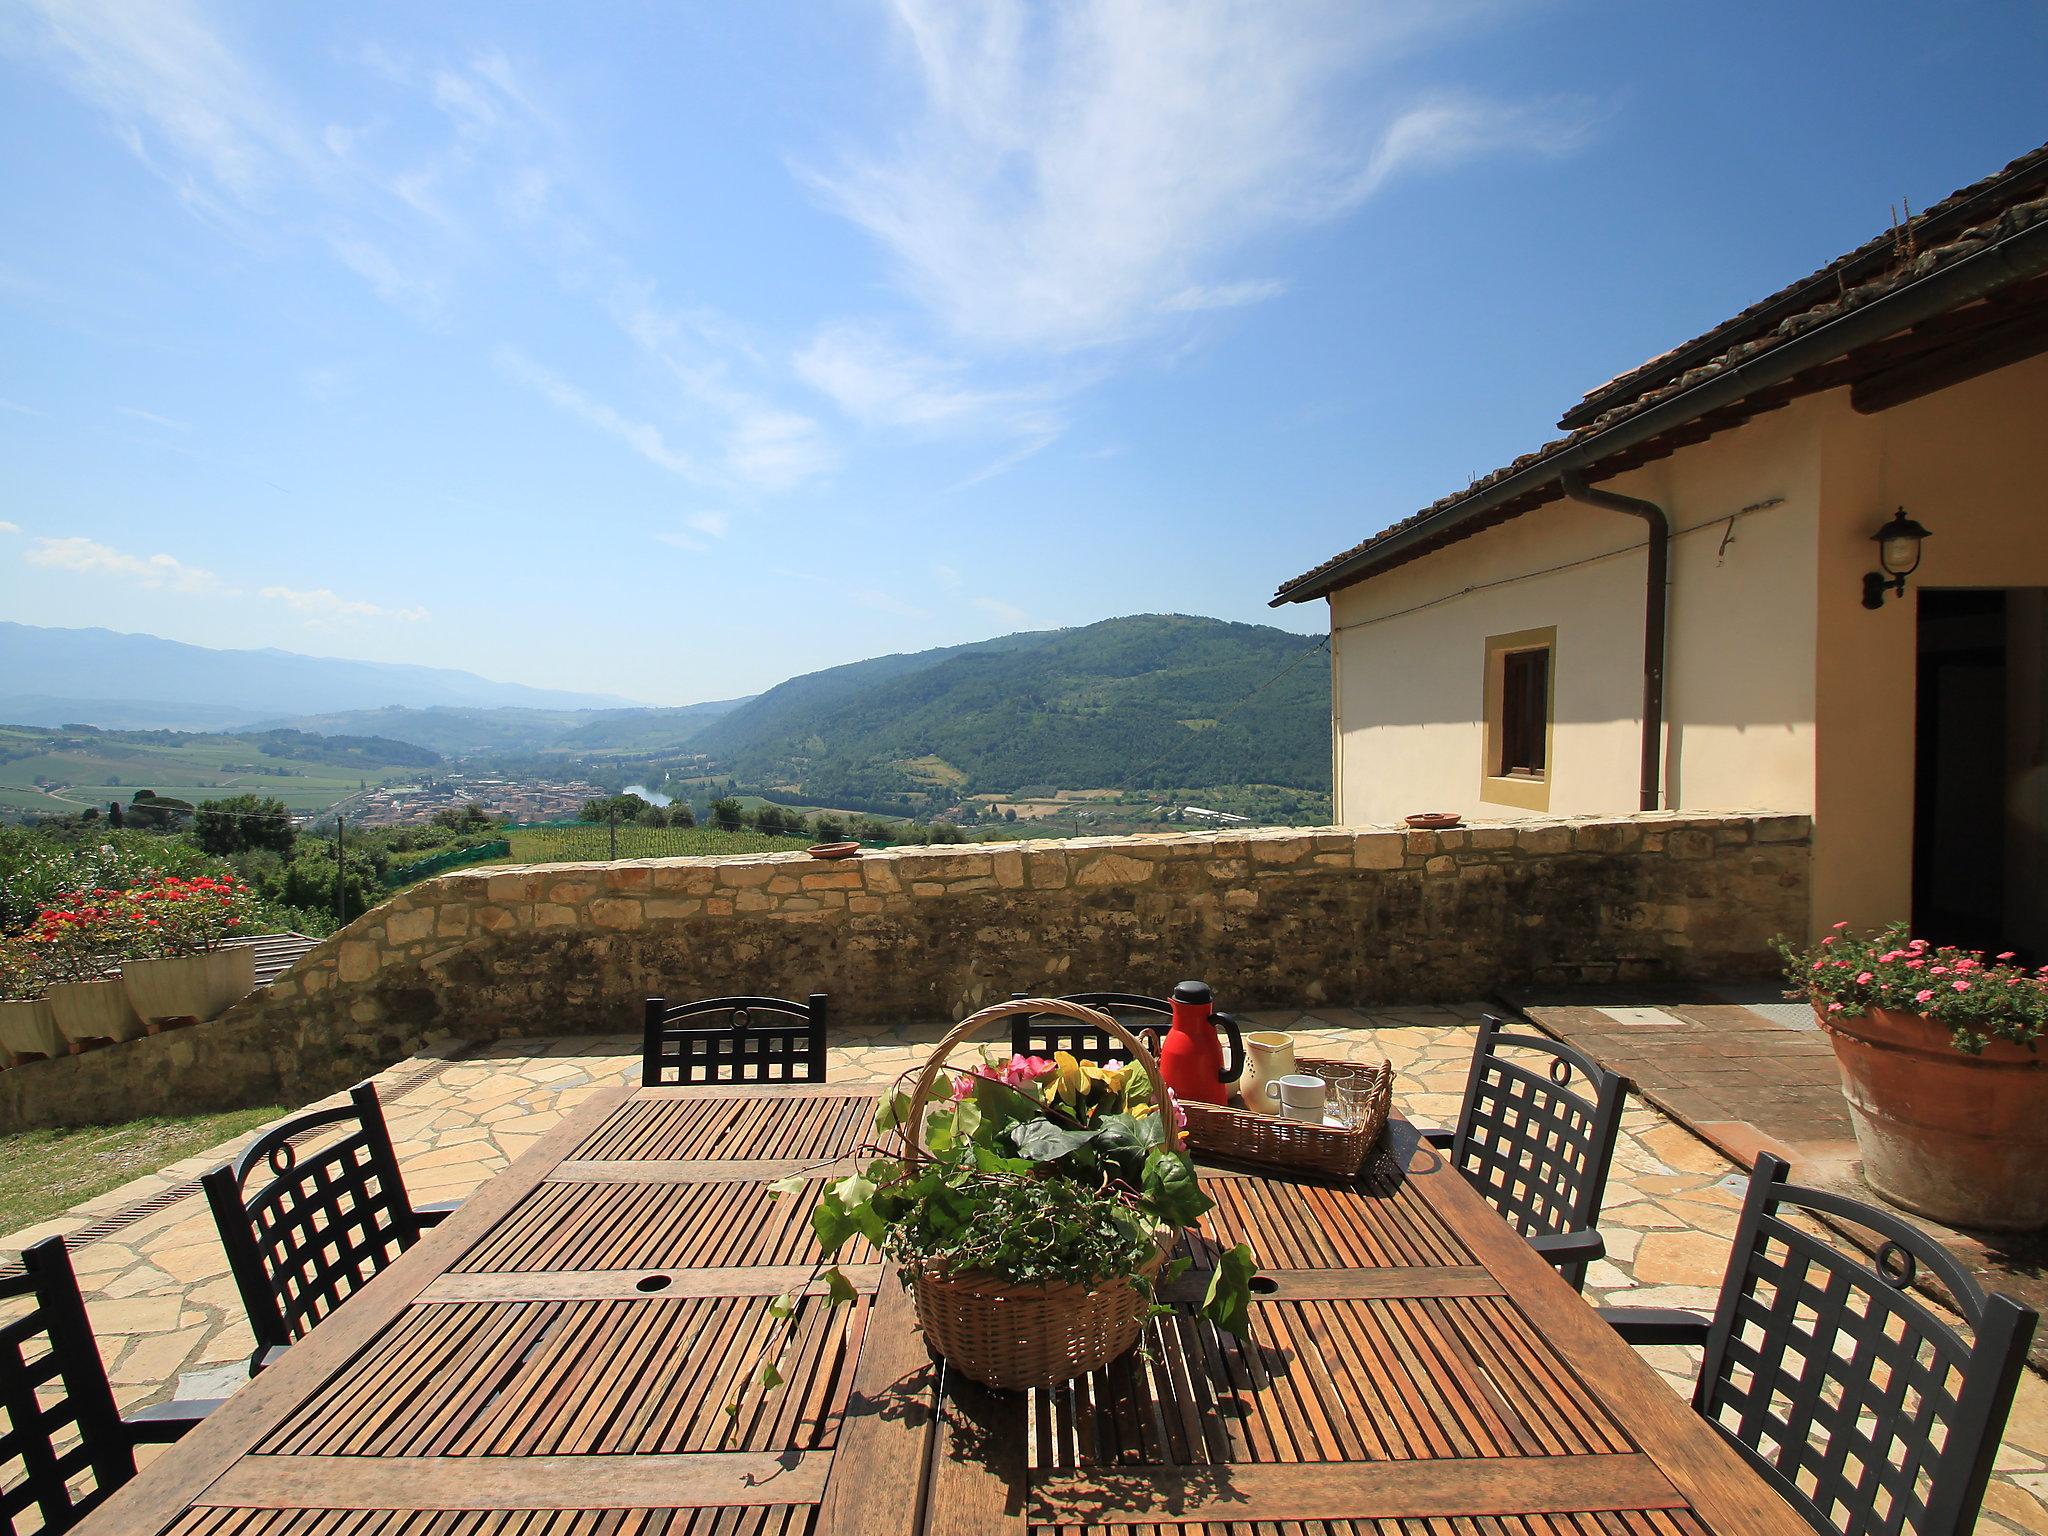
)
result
[(1898, 552)]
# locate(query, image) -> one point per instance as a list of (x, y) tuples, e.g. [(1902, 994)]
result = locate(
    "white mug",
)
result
[(1268, 1056), (1302, 1096)]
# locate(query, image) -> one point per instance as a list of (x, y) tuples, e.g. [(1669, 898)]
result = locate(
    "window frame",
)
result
[(1529, 792)]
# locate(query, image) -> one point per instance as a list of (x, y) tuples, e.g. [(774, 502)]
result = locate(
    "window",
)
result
[(1524, 713), (1520, 674)]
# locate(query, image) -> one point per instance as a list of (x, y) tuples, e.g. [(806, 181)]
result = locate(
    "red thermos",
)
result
[(1191, 1060)]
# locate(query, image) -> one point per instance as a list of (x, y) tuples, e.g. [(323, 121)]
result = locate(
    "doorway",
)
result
[(1980, 813)]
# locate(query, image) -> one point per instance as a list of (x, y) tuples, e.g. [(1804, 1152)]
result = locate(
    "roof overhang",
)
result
[(1727, 397)]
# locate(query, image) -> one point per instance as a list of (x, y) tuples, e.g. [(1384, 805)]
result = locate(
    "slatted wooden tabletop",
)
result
[(557, 1360)]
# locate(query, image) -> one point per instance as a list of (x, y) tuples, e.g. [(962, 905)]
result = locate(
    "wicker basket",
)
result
[(1299, 1146), (1020, 1336)]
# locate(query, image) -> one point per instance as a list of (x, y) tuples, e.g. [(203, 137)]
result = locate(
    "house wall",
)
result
[(1971, 463), (1739, 683), (1272, 918), (1782, 690)]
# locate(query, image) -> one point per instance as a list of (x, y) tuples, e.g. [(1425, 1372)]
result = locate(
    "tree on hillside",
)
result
[(769, 819), (616, 808), (242, 822), (470, 819), (726, 814), (680, 815)]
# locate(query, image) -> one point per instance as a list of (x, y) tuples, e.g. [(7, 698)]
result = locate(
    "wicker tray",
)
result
[(1020, 1336), (1299, 1146)]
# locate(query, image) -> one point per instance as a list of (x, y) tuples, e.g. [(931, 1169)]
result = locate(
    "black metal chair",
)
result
[(306, 1225), (1044, 1034), (1537, 1147), (64, 1446), (762, 1040), (1855, 1397)]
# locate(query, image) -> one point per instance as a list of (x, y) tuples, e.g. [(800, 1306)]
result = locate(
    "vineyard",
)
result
[(566, 842)]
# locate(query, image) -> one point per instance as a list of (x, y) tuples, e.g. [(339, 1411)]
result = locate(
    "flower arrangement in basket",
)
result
[(1032, 1212)]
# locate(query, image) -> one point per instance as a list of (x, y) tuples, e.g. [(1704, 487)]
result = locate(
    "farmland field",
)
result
[(59, 771), (579, 840)]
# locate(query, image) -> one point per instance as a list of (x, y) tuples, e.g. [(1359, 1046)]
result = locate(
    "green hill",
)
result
[(457, 731), (1154, 701)]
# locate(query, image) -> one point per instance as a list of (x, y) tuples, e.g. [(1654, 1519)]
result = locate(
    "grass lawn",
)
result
[(45, 1172), (552, 845)]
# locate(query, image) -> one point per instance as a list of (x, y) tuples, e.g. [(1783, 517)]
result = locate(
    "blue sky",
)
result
[(669, 350)]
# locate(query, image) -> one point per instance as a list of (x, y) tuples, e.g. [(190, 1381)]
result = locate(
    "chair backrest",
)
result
[(307, 1216), (734, 1040), (62, 1449), (1852, 1394), (1045, 1034), (1537, 1131)]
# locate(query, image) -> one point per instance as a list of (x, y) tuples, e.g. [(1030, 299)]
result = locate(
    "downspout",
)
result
[(1656, 576)]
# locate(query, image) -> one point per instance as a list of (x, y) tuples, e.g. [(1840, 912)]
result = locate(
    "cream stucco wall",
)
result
[(1410, 646), (1782, 691), (1971, 463)]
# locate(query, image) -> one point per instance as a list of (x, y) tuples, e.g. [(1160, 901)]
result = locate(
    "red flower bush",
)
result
[(86, 937), (1978, 997)]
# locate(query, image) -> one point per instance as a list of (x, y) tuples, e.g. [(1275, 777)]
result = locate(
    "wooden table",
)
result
[(557, 1358)]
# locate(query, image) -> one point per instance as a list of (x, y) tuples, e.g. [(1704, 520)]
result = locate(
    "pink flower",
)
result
[(1841, 925), (1914, 965), (2007, 955), (1865, 979), (1937, 970), (1834, 1007), (1923, 997), (1960, 986), (1829, 939)]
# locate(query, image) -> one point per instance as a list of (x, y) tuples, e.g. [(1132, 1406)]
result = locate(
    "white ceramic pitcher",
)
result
[(1268, 1055)]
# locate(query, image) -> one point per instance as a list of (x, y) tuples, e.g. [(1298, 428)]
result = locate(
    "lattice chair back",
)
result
[(308, 1216), (1851, 1393), (734, 1040), (62, 1449), (1043, 1034), (1537, 1131)]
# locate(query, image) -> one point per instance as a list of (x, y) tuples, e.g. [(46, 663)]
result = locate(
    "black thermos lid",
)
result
[(1193, 992)]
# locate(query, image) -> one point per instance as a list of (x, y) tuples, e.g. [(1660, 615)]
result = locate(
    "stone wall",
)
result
[(1270, 918)]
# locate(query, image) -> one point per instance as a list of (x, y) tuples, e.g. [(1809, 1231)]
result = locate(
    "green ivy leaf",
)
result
[(938, 1131), (783, 1307), (1043, 1142), (853, 1191), (793, 1185), (768, 1376), (1172, 1190), (838, 1289), (1228, 1301), (832, 1223), (892, 1112)]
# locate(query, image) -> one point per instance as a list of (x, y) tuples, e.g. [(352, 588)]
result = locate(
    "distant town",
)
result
[(508, 799)]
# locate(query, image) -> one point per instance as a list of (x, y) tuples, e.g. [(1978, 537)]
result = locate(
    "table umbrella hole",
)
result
[(1264, 1285), (652, 1283)]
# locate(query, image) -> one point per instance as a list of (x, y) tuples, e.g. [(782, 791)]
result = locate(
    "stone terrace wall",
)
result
[(1269, 918)]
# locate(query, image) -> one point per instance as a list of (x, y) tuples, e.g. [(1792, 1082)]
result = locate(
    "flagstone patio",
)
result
[(169, 1321)]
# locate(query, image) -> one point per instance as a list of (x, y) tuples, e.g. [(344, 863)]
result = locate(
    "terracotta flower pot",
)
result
[(1962, 1139), (94, 1010), (28, 1028), (190, 986)]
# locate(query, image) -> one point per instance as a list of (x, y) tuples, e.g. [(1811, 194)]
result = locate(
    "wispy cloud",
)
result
[(697, 528), (169, 422), (1072, 173), (7, 527), (642, 437), (88, 557), (1009, 613), (322, 606)]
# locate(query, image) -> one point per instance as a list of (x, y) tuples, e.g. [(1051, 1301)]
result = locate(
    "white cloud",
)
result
[(1071, 172), (946, 574), (1009, 613), (155, 420), (87, 557), (776, 450), (1200, 296), (7, 527), (702, 526), (167, 82), (396, 285), (321, 606), (643, 438), (876, 382)]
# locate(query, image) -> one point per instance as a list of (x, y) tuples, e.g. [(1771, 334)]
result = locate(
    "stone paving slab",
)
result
[(170, 1323)]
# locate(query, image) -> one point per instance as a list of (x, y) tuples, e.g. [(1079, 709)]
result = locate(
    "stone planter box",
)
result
[(190, 986), (94, 1010), (28, 1028)]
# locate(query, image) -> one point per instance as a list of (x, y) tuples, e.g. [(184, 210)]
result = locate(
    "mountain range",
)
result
[(140, 682), (1149, 701)]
